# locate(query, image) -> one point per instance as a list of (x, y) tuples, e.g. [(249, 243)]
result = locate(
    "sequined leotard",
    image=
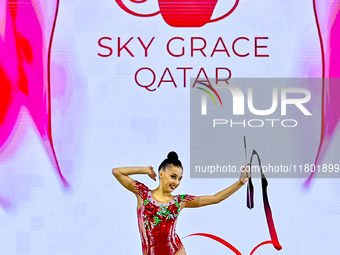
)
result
[(157, 223)]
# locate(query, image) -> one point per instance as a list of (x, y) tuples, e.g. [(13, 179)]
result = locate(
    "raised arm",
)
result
[(122, 175), (220, 196)]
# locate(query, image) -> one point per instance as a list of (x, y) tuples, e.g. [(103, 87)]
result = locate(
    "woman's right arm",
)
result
[(122, 175)]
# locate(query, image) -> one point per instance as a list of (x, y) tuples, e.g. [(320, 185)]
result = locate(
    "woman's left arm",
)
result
[(220, 196)]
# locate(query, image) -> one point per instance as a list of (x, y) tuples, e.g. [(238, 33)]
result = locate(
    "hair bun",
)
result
[(171, 160), (172, 156)]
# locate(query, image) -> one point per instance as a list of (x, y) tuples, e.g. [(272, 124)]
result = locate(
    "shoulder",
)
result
[(141, 188), (185, 198)]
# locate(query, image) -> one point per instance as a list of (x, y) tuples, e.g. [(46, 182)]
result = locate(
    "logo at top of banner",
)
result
[(183, 13)]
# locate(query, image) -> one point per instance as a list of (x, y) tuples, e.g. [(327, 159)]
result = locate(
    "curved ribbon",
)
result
[(250, 204), (217, 239), (258, 246), (268, 212)]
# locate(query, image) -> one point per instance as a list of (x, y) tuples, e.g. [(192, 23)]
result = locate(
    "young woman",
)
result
[(158, 209)]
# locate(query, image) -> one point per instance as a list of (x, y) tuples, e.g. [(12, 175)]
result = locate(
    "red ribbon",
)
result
[(250, 203)]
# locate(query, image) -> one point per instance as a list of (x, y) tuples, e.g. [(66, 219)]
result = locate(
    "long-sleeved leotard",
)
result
[(157, 223)]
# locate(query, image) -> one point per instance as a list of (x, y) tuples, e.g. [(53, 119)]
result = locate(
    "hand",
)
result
[(245, 174), (151, 173)]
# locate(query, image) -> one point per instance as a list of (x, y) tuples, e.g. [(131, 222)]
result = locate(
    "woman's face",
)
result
[(171, 177)]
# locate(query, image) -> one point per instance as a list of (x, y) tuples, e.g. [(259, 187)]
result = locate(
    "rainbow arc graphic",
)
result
[(209, 93)]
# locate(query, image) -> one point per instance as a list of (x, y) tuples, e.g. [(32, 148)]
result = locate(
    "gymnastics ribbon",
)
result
[(268, 212), (217, 239), (250, 204)]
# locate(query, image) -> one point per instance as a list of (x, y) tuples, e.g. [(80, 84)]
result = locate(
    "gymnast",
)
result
[(157, 210)]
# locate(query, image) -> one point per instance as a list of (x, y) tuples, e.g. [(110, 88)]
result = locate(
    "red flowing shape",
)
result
[(330, 83), (217, 239), (307, 182), (65, 182), (266, 206), (263, 243), (270, 222), (271, 226), (225, 243), (25, 77)]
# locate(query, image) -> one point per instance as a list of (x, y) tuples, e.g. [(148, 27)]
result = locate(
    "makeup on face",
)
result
[(172, 177)]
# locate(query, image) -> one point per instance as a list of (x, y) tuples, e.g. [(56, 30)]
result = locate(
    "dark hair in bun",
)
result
[(171, 160)]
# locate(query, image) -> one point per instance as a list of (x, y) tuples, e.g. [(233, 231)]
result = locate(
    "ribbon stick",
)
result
[(245, 149), (250, 187)]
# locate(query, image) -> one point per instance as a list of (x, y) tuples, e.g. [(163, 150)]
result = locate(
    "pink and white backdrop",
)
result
[(71, 109)]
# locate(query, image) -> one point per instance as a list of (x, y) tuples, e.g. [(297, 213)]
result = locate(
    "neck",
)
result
[(162, 192)]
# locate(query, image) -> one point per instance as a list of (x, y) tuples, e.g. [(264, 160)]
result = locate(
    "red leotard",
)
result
[(157, 223)]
